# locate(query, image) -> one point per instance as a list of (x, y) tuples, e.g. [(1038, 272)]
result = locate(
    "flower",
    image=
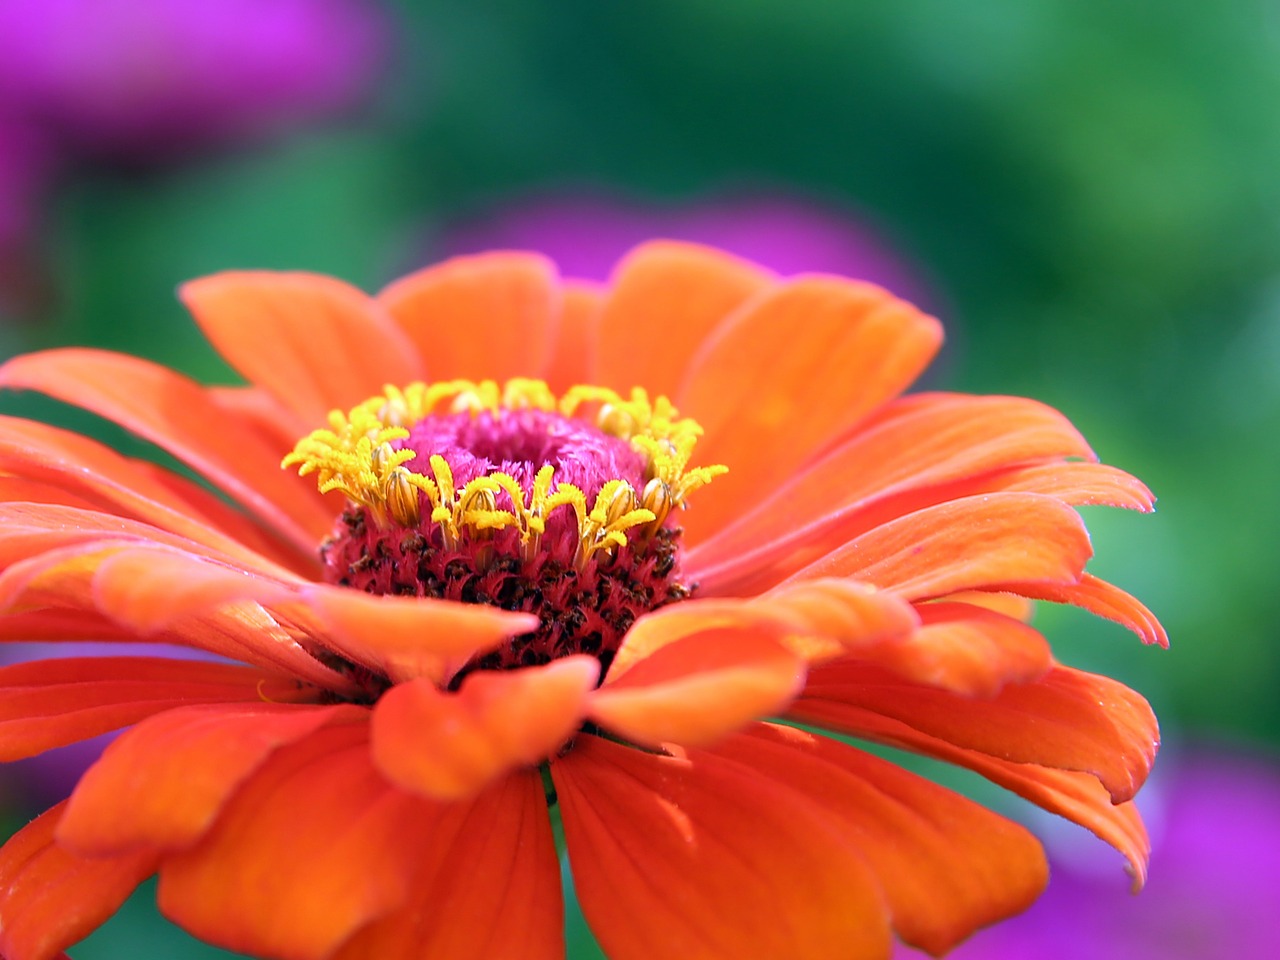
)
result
[(157, 76), (497, 605), (1211, 897)]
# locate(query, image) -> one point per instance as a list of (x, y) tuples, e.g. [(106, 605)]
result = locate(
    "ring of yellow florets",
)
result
[(357, 456)]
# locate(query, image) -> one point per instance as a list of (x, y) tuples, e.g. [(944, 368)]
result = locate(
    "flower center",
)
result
[(512, 497)]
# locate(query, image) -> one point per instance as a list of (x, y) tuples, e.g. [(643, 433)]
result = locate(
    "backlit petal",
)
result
[(451, 745), (698, 858), (572, 354), (50, 898), (315, 343), (490, 316), (664, 300), (788, 374)]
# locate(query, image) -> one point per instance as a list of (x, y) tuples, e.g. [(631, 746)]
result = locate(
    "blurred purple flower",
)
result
[(25, 166), (152, 77), (1212, 892), (586, 234)]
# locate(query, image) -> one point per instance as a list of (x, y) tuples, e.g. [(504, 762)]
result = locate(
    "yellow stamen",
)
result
[(357, 455)]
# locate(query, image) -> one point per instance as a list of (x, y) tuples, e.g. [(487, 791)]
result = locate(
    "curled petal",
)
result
[(1101, 598), (968, 650), (451, 745), (572, 354), (815, 619), (51, 898), (699, 688), (833, 618), (404, 637)]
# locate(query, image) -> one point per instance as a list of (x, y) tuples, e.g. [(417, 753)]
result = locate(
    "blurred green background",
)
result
[(1086, 192)]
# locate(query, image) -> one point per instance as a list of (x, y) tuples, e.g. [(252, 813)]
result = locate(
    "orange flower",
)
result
[(493, 610)]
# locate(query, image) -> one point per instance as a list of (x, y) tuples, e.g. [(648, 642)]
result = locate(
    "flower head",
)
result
[(159, 76), (474, 593)]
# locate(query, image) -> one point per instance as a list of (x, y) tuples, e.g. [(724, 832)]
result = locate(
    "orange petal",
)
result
[(816, 619), (151, 587), (664, 300), (968, 650), (947, 865), (965, 544), (179, 416), (1078, 797), (700, 688), (1079, 484), (14, 489), (1100, 598), (257, 410), (845, 617), (451, 745), (485, 317), (1067, 719), (57, 589), (312, 846), (701, 858), (922, 445), (403, 637), (29, 529), (243, 528), (790, 373), (1009, 604), (163, 783), (108, 481), (50, 703), (315, 343), (487, 884), (573, 353), (50, 899)]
